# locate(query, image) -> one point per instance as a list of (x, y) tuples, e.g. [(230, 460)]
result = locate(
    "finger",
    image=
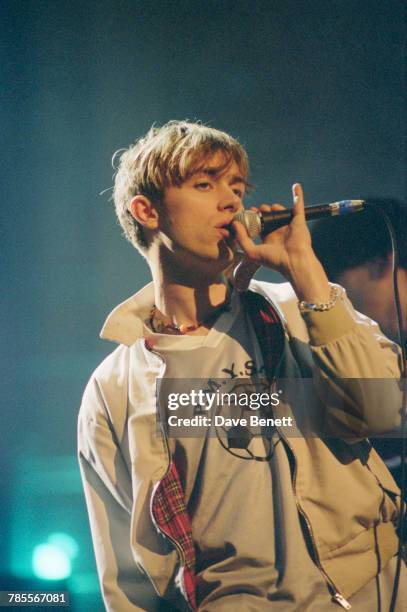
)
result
[(269, 207), (244, 240), (298, 199), (278, 207)]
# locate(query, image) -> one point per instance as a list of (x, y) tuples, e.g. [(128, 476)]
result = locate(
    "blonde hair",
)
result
[(165, 156)]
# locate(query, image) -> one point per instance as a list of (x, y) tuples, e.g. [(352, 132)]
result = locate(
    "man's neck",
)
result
[(189, 304), (188, 297)]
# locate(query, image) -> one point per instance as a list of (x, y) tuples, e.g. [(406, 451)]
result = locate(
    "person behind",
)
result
[(281, 522), (357, 253)]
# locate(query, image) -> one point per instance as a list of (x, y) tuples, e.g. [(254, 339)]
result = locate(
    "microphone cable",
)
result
[(402, 341)]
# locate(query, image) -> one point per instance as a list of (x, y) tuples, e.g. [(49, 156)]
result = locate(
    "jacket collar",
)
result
[(125, 324)]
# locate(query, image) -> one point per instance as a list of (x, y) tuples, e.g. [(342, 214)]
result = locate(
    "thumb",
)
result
[(298, 199)]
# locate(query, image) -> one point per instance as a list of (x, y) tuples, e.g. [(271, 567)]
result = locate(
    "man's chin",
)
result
[(216, 260), (223, 255)]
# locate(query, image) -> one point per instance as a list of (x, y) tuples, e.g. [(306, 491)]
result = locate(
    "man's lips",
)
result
[(223, 231), (226, 230)]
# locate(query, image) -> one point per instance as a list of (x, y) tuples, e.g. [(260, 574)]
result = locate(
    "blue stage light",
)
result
[(50, 562)]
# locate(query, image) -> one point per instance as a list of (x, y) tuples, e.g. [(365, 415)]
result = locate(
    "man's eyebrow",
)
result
[(236, 178)]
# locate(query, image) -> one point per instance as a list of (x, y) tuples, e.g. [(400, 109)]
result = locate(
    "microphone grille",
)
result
[(251, 220)]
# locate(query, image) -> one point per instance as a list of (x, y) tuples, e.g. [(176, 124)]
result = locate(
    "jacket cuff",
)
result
[(328, 325)]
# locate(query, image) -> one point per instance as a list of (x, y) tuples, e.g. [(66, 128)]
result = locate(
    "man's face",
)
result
[(370, 289), (193, 223)]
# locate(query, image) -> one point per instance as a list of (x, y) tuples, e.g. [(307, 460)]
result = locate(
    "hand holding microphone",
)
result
[(286, 245), (258, 224)]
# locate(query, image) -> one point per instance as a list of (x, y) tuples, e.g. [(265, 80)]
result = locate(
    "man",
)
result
[(360, 259), (281, 522)]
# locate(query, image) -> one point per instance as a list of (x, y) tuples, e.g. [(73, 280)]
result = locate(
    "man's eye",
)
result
[(203, 185), (238, 192)]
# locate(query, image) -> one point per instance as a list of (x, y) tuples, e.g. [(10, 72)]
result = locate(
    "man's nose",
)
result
[(230, 200)]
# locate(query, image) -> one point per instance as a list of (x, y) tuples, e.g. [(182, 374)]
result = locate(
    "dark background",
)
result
[(314, 90)]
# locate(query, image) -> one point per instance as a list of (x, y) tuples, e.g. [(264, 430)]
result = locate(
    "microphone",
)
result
[(261, 224)]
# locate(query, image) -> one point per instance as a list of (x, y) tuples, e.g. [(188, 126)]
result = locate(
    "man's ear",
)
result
[(379, 267), (144, 211)]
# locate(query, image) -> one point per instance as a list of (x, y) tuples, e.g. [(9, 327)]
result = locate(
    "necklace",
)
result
[(159, 325)]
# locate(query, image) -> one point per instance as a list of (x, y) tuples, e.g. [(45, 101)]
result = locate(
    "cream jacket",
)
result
[(347, 497)]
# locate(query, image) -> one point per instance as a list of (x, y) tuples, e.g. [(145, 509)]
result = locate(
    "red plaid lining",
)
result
[(268, 328), (169, 511)]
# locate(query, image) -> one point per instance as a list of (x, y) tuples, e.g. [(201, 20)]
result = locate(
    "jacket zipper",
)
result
[(337, 596), (166, 535), (172, 540)]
